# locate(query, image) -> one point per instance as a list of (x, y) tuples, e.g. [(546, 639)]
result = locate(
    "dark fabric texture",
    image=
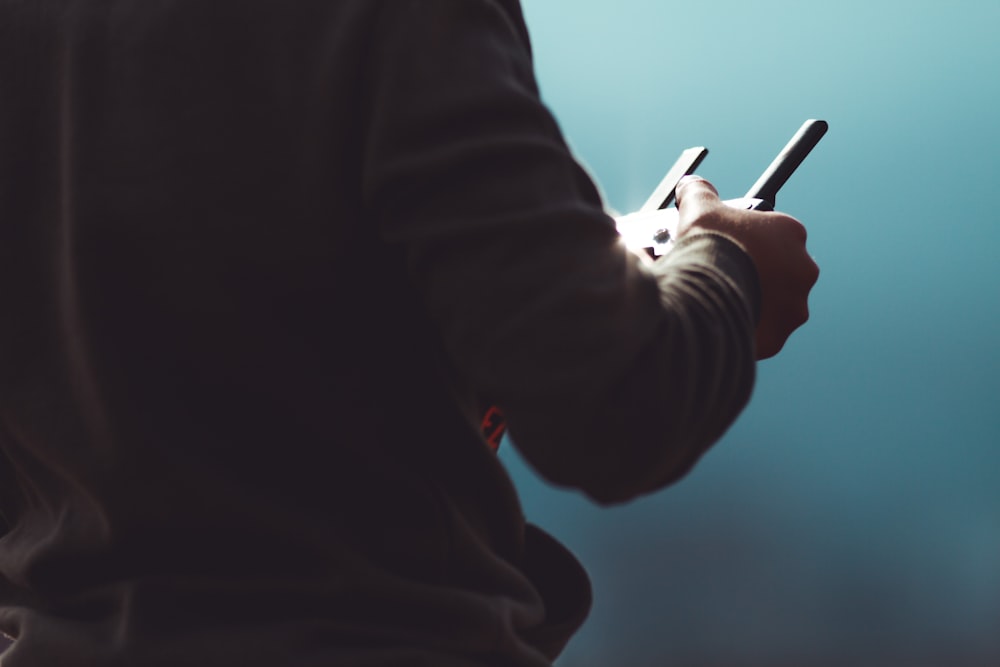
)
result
[(263, 264)]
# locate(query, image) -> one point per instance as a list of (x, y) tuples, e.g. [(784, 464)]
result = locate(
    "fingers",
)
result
[(697, 204), (768, 345), (693, 194), (784, 300), (776, 243)]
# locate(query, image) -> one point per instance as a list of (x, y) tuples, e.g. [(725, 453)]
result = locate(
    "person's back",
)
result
[(240, 383), (210, 421)]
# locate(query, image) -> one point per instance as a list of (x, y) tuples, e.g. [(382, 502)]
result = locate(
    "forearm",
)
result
[(682, 380), (614, 376)]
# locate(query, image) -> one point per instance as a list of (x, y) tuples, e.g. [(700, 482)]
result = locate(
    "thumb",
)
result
[(695, 195)]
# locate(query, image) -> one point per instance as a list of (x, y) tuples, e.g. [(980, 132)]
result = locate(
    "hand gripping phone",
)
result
[(653, 227)]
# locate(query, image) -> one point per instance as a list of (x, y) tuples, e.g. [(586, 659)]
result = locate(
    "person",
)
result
[(265, 265)]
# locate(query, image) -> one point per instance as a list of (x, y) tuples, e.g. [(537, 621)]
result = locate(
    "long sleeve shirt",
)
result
[(263, 264)]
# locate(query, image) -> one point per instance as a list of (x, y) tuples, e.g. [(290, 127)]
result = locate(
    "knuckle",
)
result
[(799, 230), (808, 272), (803, 315), (813, 273), (792, 227), (694, 190)]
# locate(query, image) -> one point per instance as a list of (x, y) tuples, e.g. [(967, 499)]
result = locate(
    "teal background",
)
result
[(852, 514)]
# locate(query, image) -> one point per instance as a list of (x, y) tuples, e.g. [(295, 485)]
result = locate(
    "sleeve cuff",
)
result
[(731, 258)]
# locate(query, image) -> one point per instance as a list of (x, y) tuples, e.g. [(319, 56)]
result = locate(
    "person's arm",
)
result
[(777, 244), (614, 376)]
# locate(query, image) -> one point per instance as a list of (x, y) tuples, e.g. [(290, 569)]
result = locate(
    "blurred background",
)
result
[(852, 514)]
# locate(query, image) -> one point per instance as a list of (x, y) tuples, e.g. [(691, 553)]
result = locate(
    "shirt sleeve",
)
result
[(614, 376)]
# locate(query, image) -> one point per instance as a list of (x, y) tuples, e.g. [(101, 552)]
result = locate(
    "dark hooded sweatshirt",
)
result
[(263, 266)]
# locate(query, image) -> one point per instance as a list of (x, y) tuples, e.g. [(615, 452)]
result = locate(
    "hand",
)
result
[(777, 244)]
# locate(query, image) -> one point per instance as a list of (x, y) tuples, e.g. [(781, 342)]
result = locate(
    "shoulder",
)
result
[(476, 15)]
